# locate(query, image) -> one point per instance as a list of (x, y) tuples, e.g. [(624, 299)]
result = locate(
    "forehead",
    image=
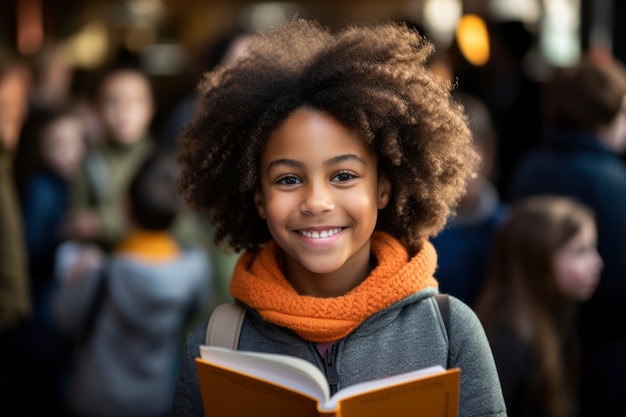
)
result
[(125, 82), (63, 123), (310, 134)]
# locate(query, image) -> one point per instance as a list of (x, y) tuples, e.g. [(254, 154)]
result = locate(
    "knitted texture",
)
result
[(259, 283)]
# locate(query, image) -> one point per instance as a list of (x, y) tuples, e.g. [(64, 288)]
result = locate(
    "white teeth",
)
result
[(321, 235)]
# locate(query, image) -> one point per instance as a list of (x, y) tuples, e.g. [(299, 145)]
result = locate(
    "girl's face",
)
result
[(578, 265), (62, 146), (320, 193)]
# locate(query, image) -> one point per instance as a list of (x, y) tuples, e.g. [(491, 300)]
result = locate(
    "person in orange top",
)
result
[(330, 159)]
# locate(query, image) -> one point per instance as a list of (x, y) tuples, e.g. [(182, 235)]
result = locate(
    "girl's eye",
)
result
[(344, 176), (288, 180)]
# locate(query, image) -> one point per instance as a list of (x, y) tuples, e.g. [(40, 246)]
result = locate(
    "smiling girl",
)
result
[(330, 159)]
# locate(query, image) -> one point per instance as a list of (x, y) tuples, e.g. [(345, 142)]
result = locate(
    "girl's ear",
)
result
[(384, 192), (258, 202)]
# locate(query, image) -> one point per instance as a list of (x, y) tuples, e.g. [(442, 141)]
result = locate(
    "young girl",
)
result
[(50, 150), (59, 147), (544, 262), (330, 159)]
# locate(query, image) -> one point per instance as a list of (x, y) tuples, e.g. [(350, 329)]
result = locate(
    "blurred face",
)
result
[(578, 265), (62, 146), (320, 194), (125, 103)]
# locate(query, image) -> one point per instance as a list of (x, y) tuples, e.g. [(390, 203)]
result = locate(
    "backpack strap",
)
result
[(224, 326), (443, 302)]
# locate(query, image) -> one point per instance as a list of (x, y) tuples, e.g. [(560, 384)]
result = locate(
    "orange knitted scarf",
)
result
[(258, 282)]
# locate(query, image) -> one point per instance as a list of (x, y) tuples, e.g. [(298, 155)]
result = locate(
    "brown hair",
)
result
[(521, 293), (373, 79), (588, 95)]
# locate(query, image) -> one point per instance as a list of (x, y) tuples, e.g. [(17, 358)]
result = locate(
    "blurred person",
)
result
[(15, 303), (127, 310), (14, 88), (544, 263), (464, 243), (584, 136), (56, 143), (125, 104), (50, 151)]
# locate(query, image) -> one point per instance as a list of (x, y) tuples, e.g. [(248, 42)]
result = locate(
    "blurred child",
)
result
[(125, 104), (50, 151), (580, 156), (330, 159), (128, 310), (464, 243), (58, 151), (544, 263)]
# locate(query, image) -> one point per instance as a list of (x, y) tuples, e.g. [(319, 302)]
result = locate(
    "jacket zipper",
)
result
[(330, 368)]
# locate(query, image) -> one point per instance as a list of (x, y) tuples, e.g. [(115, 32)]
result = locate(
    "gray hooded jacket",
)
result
[(406, 336), (128, 365)]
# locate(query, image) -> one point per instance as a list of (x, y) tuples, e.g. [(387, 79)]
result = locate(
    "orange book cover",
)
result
[(237, 383)]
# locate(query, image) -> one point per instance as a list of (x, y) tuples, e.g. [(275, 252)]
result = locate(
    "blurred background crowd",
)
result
[(94, 93)]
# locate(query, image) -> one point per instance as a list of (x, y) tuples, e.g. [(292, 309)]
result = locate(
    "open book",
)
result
[(238, 383)]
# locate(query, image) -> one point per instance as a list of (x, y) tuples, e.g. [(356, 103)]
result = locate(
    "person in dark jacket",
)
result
[(585, 135)]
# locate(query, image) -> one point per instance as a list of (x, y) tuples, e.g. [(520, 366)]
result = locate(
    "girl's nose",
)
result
[(317, 199)]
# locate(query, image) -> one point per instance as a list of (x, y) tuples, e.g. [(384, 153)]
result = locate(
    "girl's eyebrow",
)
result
[(332, 161), (344, 158)]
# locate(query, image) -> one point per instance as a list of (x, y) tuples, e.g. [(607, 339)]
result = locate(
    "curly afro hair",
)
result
[(372, 78)]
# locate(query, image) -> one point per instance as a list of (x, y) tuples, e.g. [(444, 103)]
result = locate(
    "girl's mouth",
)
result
[(320, 234)]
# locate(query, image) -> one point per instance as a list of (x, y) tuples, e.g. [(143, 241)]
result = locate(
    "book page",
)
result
[(376, 384), (287, 371)]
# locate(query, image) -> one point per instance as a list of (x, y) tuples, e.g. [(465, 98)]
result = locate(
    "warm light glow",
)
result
[(30, 34), (88, 48), (473, 39)]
